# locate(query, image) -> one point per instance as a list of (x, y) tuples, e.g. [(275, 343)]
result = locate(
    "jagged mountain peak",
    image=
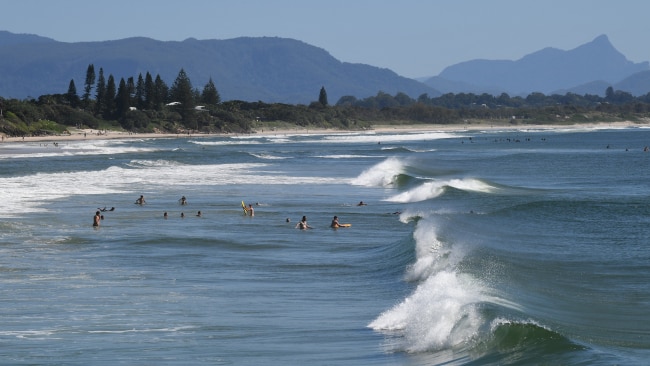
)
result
[(546, 70)]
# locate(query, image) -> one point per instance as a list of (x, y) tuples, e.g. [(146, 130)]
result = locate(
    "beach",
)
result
[(90, 134)]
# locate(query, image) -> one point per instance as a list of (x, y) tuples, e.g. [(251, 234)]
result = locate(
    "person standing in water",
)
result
[(140, 201), (335, 223), (250, 210), (97, 219), (302, 225)]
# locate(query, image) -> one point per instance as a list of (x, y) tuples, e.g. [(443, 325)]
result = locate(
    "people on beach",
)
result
[(302, 225), (335, 223), (97, 219), (140, 201)]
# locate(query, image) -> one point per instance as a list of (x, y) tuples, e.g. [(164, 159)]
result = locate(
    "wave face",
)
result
[(518, 264)]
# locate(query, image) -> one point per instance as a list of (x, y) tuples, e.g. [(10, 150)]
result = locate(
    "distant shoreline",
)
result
[(88, 134)]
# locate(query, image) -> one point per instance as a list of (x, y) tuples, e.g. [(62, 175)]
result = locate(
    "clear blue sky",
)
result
[(414, 38)]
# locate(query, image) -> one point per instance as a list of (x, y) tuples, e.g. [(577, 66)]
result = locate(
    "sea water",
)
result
[(473, 247)]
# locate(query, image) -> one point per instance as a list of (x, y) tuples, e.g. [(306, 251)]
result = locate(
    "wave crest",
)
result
[(383, 174), (433, 189), (440, 314)]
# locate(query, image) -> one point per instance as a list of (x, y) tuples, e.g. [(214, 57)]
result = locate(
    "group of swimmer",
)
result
[(249, 211), (302, 225)]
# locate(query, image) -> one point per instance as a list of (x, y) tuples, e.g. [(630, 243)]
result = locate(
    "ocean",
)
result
[(492, 247)]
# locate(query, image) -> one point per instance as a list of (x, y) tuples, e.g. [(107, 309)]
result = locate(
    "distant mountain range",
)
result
[(587, 69), (284, 70), (251, 69)]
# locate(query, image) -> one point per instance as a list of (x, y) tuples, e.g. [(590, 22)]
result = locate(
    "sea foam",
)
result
[(442, 312), (433, 189), (382, 174), (30, 193)]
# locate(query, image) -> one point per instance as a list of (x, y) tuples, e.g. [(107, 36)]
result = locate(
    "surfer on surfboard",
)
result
[(336, 224)]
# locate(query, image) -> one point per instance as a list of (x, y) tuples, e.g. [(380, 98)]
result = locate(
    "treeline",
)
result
[(145, 104), (469, 100), (532, 109), (136, 103), (148, 104)]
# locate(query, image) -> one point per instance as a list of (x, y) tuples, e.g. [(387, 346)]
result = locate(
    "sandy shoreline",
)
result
[(80, 135)]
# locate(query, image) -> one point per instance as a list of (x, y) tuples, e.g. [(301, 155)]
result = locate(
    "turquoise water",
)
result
[(482, 248)]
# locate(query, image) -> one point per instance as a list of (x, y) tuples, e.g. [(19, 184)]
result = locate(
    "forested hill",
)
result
[(250, 69)]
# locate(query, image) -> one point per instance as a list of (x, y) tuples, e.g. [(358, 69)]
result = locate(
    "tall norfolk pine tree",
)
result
[(100, 90), (122, 99), (149, 92), (210, 95), (139, 93), (71, 96), (322, 97), (160, 94), (88, 85), (111, 91), (182, 92)]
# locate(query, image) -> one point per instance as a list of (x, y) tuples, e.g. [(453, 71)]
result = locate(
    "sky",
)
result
[(414, 38)]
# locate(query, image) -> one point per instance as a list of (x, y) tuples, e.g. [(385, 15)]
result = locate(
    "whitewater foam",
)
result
[(433, 189), (442, 311), (71, 148), (382, 174), (30, 193), (440, 314), (268, 156), (376, 137)]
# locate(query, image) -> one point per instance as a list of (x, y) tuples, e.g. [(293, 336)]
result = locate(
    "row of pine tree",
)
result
[(113, 102)]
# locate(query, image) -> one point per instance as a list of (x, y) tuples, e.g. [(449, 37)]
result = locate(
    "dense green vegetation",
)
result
[(147, 104)]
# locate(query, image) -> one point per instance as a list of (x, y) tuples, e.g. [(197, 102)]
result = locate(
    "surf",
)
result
[(442, 311), (433, 189)]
